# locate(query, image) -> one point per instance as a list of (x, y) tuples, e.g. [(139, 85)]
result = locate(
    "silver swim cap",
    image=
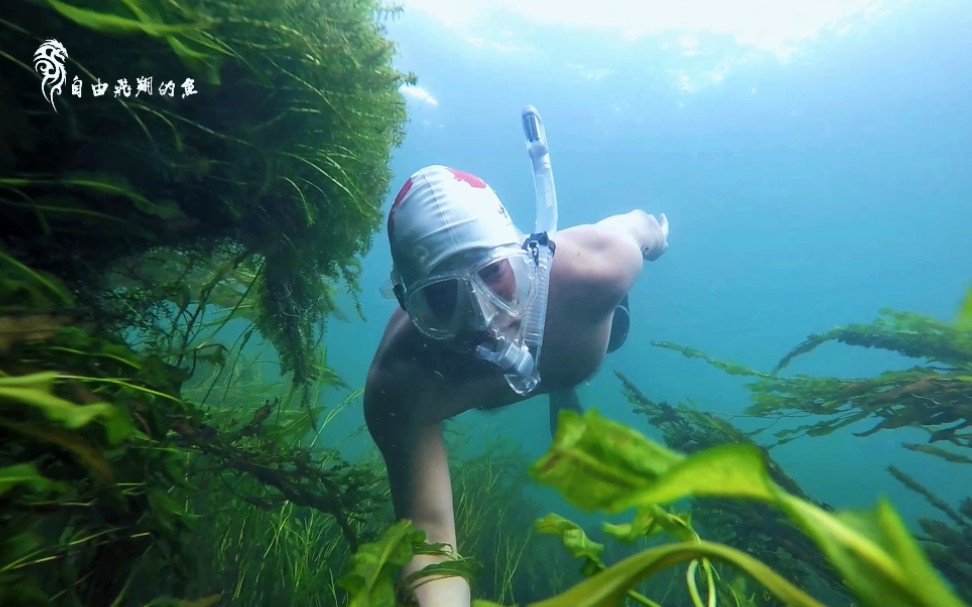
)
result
[(445, 216)]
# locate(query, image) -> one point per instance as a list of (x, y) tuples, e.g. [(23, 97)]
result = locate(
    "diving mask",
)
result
[(474, 296)]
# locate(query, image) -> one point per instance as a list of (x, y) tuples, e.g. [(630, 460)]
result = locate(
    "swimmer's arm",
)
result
[(427, 502), (618, 245), (607, 257), (418, 472), (648, 233)]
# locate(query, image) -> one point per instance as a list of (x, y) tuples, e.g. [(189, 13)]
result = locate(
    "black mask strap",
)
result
[(533, 243), (399, 290)]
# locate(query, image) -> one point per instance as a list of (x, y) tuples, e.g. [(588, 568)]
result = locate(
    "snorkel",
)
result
[(519, 359)]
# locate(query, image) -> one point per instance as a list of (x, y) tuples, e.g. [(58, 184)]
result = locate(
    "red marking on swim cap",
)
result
[(472, 180), (402, 192), (398, 200)]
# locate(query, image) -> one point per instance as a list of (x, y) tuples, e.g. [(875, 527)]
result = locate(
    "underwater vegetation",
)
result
[(934, 397), (756, 528), (511, 560), (770, 531), (601, 465), (275, 168), (157, 253), (149, 244)]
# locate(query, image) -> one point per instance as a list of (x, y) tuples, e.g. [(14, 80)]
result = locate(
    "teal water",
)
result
[(802, 193)]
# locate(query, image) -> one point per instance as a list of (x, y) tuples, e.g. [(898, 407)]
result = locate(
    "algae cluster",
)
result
[(751, 535), (276, 166), (147, 458), (933, 396), (138, 234)]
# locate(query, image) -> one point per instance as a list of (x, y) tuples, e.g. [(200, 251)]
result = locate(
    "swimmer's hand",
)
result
[(657, 238)]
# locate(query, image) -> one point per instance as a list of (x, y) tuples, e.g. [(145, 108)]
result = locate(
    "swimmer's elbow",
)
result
[(621, 253), (639, 230), (609, 272), (626, 236)]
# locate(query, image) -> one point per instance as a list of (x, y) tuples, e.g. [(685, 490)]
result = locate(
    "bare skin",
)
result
[(414, 383)]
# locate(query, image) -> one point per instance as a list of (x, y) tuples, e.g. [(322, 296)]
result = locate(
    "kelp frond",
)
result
[(601, 465), (907, 333), (933, 398)]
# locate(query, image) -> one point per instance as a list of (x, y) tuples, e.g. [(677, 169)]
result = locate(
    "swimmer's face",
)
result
[(448, 299), (466, 300)]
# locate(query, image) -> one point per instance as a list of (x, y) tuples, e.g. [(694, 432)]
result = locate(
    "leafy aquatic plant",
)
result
[(258, 549), (934, 397), (87, 471), (499, 553), (948, 544), (278, 163), (964, 318), (371, 576), (495, 526), (106, 468), (601, 465), (134, 228), (756, 528)]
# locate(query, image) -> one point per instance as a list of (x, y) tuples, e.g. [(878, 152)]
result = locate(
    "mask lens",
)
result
[(509, 281), (498, 277), (442, 307), (433, 306)]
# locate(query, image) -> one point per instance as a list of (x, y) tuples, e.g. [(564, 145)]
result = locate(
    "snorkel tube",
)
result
[(520, 360), (542, 172)]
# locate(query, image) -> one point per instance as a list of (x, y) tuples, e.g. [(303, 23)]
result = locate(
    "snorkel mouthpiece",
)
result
[(519, 358), (515, 359)]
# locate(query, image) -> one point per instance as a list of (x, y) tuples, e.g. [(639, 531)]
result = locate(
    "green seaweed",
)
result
[(761, 531), (104, 463), (601, 465), (881, 563), (494, 523), (964, 317), (907, 333), (368, 579), (280, 160), (947, 544), (134, 417), (934, 397)]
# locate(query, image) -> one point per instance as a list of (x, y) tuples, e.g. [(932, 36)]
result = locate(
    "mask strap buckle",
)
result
[(533, 243)]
